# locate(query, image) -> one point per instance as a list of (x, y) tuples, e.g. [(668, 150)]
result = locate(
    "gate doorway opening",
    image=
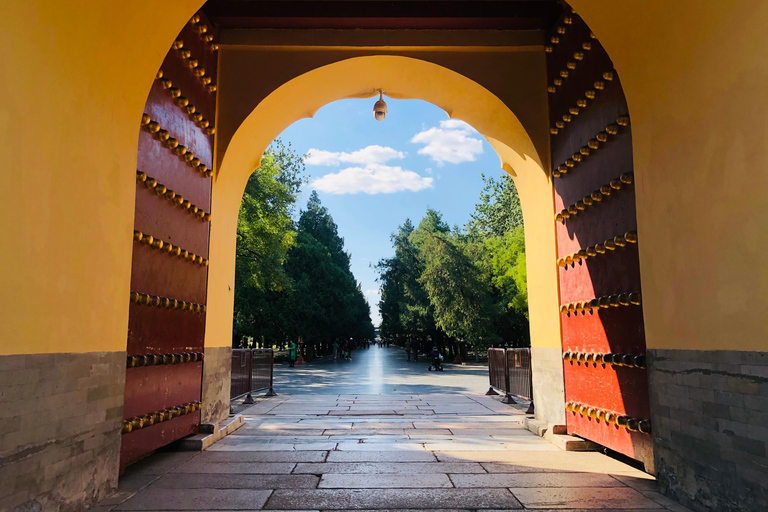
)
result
[(525, 114), (400, 207)]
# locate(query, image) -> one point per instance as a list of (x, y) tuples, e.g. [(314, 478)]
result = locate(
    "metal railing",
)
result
[(497, 369), (252, 371), (509, 370)]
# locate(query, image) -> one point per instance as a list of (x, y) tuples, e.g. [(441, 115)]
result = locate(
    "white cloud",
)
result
[(371, 179), (452, 142), (368, 155), (373, 292)]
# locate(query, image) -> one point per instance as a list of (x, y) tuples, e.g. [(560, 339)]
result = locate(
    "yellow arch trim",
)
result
[(399, 77)]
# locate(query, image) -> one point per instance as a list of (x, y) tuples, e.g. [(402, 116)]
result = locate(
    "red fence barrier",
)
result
[(252, 371), (509, 370)]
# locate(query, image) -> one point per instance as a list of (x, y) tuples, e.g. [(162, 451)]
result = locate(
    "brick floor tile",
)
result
[(197, 499), (586, 498), (288, 456), (384, 481), (535, 480), (235, 481), (356, 499), (381, 456), (411, 446), (241, 468), (398, 468)]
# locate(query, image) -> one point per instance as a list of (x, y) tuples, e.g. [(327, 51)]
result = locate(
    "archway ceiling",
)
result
[(402, 14)]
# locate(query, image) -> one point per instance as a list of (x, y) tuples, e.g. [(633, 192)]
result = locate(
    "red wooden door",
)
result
[(603, 338), (170, 252)]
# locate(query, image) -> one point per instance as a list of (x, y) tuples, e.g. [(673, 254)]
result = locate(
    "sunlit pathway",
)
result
[(385, 452), (379, 371)]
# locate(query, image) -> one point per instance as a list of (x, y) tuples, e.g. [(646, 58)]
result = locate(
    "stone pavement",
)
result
[(379, 371), (384, 452)]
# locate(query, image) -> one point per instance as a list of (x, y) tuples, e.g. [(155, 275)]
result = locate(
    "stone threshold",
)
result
[(557, 435), (210, 433)]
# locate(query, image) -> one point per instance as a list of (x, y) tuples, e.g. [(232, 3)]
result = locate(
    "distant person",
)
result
[(350, 348), (416, 351), (437, 359), (335, 349), (292, 353), (408, 350)]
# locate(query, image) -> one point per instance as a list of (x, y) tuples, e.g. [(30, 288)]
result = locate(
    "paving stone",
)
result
[(366, 413), (299, 456), (376, 424), (160, 463), (352, 437), (198, 499), (395, 447), (384, 481), (584, 510), (269, 447), (381, 456), (407, 510), (133, 481), (664, 501), (399, 468), (483, 428), (494, 467), (382, 432), (247, 430), (242, 468), (495, 433), (506, 456), (357, 499), (535, 480), (235, 481), (638, 481), (378, 460), (586, 498)]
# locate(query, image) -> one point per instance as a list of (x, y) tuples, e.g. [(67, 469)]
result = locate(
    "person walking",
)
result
[(335, 349), (408, 350), (292, 353)]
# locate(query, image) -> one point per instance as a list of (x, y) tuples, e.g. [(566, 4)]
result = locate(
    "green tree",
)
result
[(292, 278), (406, 310), (265, 233), (326, 301), (461, 298), (467, 285), (498, 211)]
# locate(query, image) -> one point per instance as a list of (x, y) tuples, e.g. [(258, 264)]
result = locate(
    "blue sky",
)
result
[(372, 175)]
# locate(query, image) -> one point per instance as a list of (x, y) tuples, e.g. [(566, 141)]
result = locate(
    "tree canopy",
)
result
[(466, 286), (292, 278), (442, 286)]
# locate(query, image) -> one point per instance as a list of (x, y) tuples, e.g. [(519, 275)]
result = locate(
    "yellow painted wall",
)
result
[(242, 84), (76, 76), (695, 75)]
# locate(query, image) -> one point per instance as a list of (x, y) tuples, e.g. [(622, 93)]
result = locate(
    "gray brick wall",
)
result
[(60, 419), (217, 368), (710, 426)]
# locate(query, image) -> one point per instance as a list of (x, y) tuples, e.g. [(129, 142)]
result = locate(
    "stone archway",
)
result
[(400, 77)]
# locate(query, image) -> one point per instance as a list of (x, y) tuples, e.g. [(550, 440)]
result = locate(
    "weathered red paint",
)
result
[(155, 330), (144, 441), (618, 389)]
